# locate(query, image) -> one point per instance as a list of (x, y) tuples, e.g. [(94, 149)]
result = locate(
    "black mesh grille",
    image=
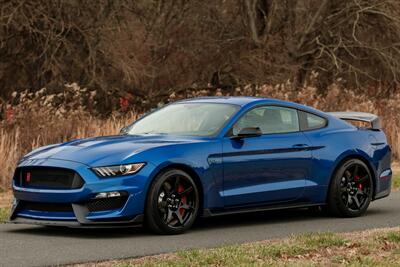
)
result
[(48, 178), (106, 204), (42, 206)]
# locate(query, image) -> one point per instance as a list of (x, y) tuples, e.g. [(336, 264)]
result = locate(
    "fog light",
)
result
[(107, 195)]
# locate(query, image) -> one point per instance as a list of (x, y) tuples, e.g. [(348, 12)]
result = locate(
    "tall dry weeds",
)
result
[(36, 123), (17, 140), (9, 153)]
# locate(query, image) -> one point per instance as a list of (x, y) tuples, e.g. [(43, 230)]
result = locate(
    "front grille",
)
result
[(48, 178), (106, 203), (42, 206)]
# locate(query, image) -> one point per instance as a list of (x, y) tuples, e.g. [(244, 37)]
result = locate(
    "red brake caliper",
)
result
[(356, 179), (180, 190)]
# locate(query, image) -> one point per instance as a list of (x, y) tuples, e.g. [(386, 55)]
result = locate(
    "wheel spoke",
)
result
[(162, 205), (186, 207), (186, 191), (170, 216), (163, 210), (167, 187), (177, 201), (176, 184), (356, 201), (361, 193), (349, 200), (343, 189), (355, 171), (363, 179), (355, 187), (344, 199), (179, 216)]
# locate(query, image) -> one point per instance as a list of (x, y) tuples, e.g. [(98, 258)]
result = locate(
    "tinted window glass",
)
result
[(269, 119), (314, 121)]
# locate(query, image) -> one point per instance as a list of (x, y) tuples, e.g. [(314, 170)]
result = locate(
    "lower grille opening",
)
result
[(42, 206), (104, 204)]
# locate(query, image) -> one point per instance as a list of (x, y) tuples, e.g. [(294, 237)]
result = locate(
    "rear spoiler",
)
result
[(359, 116)]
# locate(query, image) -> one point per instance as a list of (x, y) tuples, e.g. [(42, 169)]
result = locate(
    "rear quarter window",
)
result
[(311, 121)]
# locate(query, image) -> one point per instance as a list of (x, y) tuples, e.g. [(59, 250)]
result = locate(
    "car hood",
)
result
[(110, 150)]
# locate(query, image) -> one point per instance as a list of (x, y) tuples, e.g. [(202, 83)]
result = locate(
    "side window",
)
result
[(270, 119), (312, 122)]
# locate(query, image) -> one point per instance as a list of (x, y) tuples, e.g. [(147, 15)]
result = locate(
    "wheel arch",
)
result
[(191, 172), (345, 158)]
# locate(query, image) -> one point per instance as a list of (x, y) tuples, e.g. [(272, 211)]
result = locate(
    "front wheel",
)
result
[(351, 189), (173, 203)]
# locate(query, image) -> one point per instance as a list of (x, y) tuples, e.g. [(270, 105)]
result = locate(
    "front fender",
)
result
[(196, 158)]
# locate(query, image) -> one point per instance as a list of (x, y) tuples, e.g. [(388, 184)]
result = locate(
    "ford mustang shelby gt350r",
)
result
[(207, 157)]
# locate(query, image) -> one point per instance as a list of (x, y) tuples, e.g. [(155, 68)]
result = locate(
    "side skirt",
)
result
[(209, 213)]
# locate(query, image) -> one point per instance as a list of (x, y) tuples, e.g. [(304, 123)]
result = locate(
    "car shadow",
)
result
[(202, 224)]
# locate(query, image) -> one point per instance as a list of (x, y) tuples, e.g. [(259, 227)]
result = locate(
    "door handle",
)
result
[(300, 146)]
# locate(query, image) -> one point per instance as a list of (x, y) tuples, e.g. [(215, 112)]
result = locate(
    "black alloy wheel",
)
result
[(173, 203), (351, 189)]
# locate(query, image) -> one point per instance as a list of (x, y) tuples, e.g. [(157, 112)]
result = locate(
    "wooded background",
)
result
[(151, 48)]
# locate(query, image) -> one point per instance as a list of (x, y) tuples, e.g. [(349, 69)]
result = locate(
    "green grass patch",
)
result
[(4, 214), (361, 261), (380, 248), (393, 237), (255, 254), (322, 240)]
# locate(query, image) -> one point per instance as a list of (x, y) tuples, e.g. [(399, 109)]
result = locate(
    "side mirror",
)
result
[(248, 132), (124, 130)]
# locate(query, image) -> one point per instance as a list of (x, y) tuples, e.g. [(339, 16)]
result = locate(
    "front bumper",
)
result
[(76, 211)]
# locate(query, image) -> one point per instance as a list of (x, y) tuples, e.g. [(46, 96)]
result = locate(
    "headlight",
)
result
[(118, 170)]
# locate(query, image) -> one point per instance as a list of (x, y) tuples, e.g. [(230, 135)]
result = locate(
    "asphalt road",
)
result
[(22, 245)]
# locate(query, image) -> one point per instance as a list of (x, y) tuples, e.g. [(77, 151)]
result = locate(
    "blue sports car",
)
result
[(207, 157)]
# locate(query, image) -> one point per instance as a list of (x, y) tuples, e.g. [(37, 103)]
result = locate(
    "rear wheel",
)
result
[(351, 189), (173, 203)]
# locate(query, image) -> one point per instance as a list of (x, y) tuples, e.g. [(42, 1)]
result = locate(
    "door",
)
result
[(269, 168)]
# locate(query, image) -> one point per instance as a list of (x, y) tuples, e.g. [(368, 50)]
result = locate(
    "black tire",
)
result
[(351, 189), (172, 203)]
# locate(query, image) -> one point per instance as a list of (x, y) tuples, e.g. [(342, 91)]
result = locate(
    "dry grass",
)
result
[(9, 153), (396, 176), (16, 140), (38, 121), (5, 199), (5, 205), (379, 247)]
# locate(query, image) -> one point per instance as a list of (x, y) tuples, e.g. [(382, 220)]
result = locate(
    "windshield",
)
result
[(198, 119)]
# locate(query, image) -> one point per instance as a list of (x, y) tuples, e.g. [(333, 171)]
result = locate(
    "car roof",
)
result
[(236, 100), (249, 100)]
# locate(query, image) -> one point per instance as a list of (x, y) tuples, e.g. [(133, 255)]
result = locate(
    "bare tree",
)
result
[(152, 48)]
